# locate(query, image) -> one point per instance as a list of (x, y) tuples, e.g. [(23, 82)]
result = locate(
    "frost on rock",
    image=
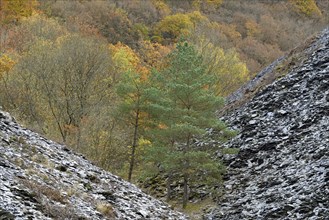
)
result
[(282, 169), (40, 179)]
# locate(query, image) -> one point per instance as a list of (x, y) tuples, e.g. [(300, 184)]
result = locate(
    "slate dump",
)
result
[(40, 179), (282, 169)]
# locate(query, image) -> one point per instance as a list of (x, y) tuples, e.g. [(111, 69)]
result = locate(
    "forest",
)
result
[(131, 84)]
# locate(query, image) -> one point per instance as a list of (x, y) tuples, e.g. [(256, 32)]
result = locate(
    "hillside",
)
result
[(281, 171), (61, 62), (138, 89), (40, 179)]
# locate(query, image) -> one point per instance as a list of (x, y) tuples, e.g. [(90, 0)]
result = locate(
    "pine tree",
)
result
[(132, 91), (185, 106)]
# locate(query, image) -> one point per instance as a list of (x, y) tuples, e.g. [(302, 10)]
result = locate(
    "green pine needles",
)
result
[(170, 108), (183, 107)]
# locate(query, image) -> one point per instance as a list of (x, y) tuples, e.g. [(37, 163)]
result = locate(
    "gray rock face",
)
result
[(40, 179), (282, 169), (239, 94)]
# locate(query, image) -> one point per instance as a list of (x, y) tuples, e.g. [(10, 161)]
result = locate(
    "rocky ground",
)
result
[(40, 179), (282, 169)]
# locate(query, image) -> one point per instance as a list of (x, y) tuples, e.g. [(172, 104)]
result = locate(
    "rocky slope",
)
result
[(282, 169), (40, 179)]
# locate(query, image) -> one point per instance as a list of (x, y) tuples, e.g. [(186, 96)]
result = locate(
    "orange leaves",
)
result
[(162, 126), (70, 128), (252, 28), (150, 56), (153, 53), (229, 30)]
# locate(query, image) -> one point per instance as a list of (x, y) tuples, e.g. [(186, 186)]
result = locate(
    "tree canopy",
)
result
[(79, 72), (184, 106)]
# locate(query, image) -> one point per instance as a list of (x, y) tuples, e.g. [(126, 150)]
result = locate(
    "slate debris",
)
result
[(41, 179), (281, 171), (4, 215)]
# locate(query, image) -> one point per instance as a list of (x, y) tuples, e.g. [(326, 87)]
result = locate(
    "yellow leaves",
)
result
[(14, 10), (215, 2), (162, 126), (229, 71), (252, 28), (143, 142), (143, 145), (162, 7), (196, 17), (207, 4), (125, 60), (174, 26), (6, 64), (229, 30), (32, 29), (142, 29), (44, 27), (124, 57), (307, 7)]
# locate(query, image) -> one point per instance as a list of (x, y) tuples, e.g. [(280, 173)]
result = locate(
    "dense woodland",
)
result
[(131, 83)]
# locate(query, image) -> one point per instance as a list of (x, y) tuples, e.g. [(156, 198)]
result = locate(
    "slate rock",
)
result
[(281, 171), (43, 180)]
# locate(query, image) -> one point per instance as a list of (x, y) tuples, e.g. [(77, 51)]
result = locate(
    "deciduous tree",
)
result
[(61, 82), (229, 71), (306, 7), (173, 26)]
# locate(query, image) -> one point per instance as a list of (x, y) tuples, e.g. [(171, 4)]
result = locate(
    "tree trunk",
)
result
[(170, 176), (134, 146), (186, 194), (169, 180), (78, 137)]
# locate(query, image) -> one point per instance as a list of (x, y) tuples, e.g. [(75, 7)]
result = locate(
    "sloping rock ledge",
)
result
[(282, 169), (40, 179)]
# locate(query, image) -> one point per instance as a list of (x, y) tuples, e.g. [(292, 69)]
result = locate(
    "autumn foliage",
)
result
[(66, 67), (11, 11)]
